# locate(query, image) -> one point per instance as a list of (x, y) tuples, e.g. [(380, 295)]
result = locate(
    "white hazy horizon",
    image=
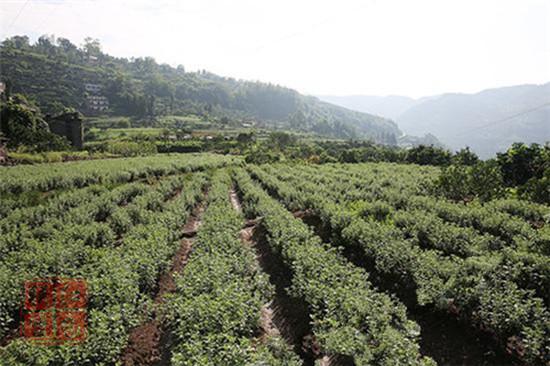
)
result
[(346, 47)]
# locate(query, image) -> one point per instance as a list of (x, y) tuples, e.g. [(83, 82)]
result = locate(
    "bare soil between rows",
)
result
[(149, 343), (445, 338), (284, 315), (14, 330)]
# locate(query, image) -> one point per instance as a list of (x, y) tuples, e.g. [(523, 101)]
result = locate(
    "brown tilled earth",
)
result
[(147, 342)]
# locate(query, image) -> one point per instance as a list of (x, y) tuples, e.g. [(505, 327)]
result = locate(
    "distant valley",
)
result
[(487, 122)]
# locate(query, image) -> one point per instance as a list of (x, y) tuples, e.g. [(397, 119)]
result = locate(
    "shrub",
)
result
[(482, 180), (537, 190), (522, 162), (428, 155), (129, 148)]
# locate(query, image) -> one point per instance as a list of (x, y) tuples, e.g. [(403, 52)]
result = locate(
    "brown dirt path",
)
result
[(148, 343), (267, 326), (445, 338), (282, 316)]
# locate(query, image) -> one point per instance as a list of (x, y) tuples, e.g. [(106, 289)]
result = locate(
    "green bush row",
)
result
[(349, 316), (216, 309), (83, 173), (438, 279), (121, 272)]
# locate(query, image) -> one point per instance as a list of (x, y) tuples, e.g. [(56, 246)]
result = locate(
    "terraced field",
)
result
[(203, 260)]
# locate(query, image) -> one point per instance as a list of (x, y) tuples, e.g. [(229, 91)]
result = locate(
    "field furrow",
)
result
[(350, 319), (478, 288)]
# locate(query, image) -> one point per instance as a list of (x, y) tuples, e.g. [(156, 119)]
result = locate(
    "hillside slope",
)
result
[(390, 106), (55, 73), (488, 122)]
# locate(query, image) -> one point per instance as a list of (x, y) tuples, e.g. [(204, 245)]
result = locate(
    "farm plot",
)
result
[(192, 261), (486, 265), (46, 177)]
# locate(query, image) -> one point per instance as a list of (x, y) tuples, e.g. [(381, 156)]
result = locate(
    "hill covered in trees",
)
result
[(488, 121), (54, 72), (390, 106)]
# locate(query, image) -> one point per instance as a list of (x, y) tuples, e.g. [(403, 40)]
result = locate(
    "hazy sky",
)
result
[(341, 47)]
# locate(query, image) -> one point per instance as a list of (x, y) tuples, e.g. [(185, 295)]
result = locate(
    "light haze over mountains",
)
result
[(488, 121)]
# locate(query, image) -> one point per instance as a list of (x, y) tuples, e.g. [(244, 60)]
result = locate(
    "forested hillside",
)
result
[(390, 106), (488, 121), (54, 72)]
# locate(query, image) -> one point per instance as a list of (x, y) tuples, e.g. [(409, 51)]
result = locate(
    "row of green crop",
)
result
[(349, 316), (483, 289), (24, 242), (95, 202), (82, 173), (525, 256), (418, 180), (413, 181), (530, 211), (121, 269), (51, 207), (504, 219), (527, 270), (216, 309), (529, 246)]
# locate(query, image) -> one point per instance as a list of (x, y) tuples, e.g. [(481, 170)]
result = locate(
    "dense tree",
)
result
[(245, 138), (262, 155), (280, 140), (68, 50), (537, 189), (428, 155), (91, 46), (465, 157), (350, 156), (461, 182), (522, 170), (522, 162), (46, 45), (20, 42), (22, 124)]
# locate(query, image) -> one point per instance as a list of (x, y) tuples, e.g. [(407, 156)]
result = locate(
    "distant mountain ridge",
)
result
[(488, 121), (390, 106)]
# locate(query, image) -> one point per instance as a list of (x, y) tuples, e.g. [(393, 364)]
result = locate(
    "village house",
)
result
[(68, 125), (97, 103), (92, 88)]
